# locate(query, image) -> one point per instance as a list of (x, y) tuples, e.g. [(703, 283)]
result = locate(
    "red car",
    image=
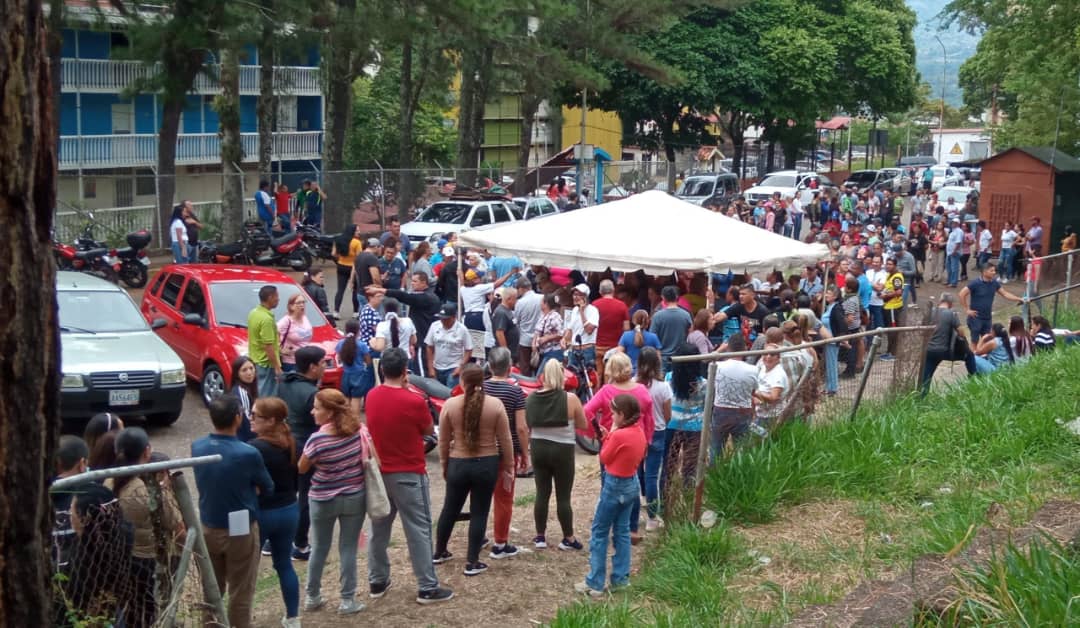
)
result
[(205, 308)]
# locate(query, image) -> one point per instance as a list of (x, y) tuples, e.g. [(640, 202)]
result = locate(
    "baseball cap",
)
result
[(448, 310), (871, 228), (442, 242), (447, 251), (471, 275), (896, 247), (582, 288), (373, 242)]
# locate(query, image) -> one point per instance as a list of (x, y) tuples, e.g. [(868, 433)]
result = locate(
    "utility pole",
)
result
[(941, 119)]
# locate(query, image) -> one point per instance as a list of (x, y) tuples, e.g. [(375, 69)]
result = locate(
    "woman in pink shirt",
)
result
[(294, 329), (619, 373)]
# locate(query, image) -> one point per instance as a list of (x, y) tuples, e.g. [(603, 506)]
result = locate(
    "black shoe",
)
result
[(567, 545), (301, 553), (434, 596), (485, 542), (475, 569), (379, 590), (503, 551), (441, 557), (266, 548)]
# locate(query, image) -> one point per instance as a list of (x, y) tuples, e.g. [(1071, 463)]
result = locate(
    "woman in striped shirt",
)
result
[(336, 454)]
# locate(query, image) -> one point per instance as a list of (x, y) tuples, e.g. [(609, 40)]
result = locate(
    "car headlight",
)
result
[(72, 380), (173, 377)]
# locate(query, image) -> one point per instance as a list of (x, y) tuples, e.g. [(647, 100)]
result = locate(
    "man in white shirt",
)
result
[(733, 409), (986, 240), (877, 276), (528, 314), (449, 346), (952, 253), (795, 209), (772, 385), (580, 324)]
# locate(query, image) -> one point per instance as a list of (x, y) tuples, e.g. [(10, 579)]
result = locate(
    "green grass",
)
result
[(524, 500), (921, 473)]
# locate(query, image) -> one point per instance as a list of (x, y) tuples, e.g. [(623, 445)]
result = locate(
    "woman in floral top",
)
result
[(549, 331)]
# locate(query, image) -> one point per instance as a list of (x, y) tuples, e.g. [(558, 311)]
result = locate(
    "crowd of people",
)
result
[(296, 457)]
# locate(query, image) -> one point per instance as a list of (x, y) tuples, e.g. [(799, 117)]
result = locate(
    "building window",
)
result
[(123, 118), (144, 183), (89, 188), (119, 45)]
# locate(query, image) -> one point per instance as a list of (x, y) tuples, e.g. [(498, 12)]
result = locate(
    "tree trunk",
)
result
[(669, 153), (407, 180), (266, 105), (340, 77), (530, 104), (166, 164), (467, 155), (227, 106), (29, 342)]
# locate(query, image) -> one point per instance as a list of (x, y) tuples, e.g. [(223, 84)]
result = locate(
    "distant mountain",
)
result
[(959, 46)]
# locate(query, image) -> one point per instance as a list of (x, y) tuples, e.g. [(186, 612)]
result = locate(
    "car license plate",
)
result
[(123, 397), (145, 261)]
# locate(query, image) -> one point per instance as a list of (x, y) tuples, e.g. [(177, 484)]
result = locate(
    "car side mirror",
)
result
[(194, 319), (158, 323)]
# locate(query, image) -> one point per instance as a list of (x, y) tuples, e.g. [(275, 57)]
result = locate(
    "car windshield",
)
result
[(778, 181), (864, 176), (939, 172), (84, 311), (234, 300), (454, 213), (697, 186)]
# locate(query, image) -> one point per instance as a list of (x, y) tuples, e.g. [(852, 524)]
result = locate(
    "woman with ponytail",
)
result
[(1019, 340), (395, 330), (355, 359), (133, 447), (633, 341), (994, 350), (476, 452)]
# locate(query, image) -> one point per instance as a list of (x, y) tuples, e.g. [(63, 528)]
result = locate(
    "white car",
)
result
[(788, 183), (529, 208), (945, 176), (454, 217)]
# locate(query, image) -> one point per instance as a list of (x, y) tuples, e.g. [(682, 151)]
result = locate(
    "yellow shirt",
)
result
[(895, 283), (354, 249)]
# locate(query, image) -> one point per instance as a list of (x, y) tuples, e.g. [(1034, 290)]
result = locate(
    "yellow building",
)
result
[(603, 129)]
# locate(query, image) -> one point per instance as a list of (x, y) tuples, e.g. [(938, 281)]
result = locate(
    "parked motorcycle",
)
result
[(133, 262), (95, 261), (320, 244), (258, 248)]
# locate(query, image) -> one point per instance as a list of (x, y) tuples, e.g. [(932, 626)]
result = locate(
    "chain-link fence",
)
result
[(128, 550)]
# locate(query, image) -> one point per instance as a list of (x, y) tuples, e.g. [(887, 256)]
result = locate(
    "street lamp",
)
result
[(941, 119)]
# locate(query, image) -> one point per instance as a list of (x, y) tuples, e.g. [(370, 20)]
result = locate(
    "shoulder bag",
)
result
[(378, 503)]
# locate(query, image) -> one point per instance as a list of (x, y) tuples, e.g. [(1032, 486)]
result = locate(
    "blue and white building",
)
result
[(108, 143)]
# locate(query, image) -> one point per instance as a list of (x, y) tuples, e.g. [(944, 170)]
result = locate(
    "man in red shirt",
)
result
[(283, 206), (398, 420), (614, 320)]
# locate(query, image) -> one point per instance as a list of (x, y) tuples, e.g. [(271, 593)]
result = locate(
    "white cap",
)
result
[(582, 288), (448, 251)]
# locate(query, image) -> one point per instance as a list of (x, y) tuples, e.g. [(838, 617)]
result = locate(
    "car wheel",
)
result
[(164, 419), (213, 383)]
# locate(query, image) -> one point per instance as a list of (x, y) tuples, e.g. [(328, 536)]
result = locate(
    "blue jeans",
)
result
[(797, 220), (832, 355), (983, 366), (588, 355), (649, 477), (612, 518), (192, 253), (877, 316), (952, 269), (446, 377), (279, 526), (982, 260), (554, 354), (1005, 263), (787, 230), (179, 253), (266, 379)]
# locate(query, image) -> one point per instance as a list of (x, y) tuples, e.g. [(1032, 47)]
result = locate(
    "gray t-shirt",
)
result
[(671, 325), (527, 310), (503, 320)]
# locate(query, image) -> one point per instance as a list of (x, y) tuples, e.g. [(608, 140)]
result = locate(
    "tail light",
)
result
[(141, 253), (571, 382), (112, 252)]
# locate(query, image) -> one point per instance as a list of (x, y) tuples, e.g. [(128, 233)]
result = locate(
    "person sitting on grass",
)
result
[(994, 350), (621, 454)]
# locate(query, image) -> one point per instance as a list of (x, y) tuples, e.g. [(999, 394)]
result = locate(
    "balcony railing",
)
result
[(107, 75), (119, 151)]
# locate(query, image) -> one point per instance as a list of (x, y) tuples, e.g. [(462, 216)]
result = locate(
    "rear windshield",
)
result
[(697, 186), (454, 213), (866, 176)]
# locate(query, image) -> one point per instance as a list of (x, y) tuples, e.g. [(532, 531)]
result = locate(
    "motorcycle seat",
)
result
[(285, 239), (91, 254), (431, 387), (127, 251), (231, 249), (526, 379)]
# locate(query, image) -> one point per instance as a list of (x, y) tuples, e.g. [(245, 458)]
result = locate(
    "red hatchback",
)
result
[(205, 308)]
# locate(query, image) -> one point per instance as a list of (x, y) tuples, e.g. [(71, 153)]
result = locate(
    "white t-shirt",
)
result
[(527, 312), (178, 224), (474, 298), (660, 392), (876, 277), (986, 239), (406, 330), (450, 344), (767, 381), (735, 384), (1008, 238), (572, 321)]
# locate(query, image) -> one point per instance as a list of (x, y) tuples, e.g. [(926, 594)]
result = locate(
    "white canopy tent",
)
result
[(651, 231)]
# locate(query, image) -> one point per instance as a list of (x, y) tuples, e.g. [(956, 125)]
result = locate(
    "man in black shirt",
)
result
[(366, 268), (502, 321), (446, 287), (749, 311), (423, 306)]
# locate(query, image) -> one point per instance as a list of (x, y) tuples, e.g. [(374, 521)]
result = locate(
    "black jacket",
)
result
[(446, 287), (422, 309), (298, 393), (318, 295)]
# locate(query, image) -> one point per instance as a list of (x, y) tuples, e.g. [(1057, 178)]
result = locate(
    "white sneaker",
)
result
[(350, 607), (290, 622), (653, 524), (313, 602), (585, 589)]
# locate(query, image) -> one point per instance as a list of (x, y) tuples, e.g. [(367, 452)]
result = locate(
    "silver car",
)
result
[(112, 361)]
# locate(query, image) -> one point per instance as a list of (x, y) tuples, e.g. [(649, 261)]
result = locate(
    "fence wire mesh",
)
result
[(127, 558)]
